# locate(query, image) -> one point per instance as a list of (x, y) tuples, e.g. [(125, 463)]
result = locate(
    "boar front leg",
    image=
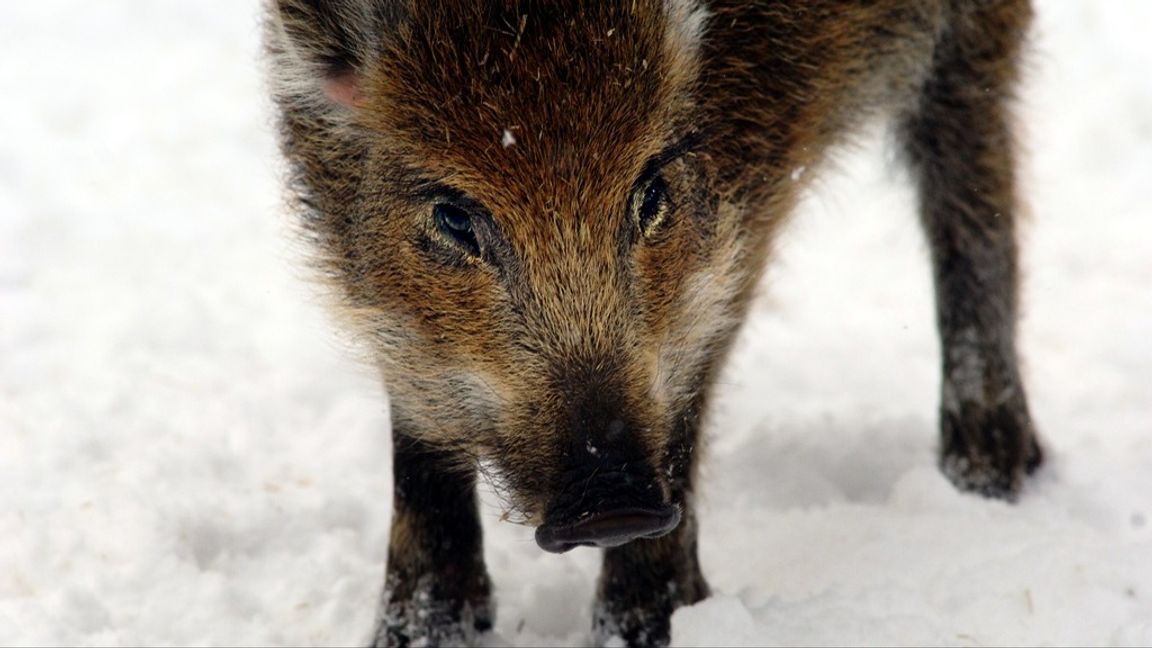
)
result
[(960, 144), (643, 582), (436, 591)]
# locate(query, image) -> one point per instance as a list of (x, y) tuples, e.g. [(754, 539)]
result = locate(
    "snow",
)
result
[(190, 455)]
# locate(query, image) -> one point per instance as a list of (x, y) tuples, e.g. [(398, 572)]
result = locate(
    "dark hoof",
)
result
[(647, 623), (424, 620), (989, 452)]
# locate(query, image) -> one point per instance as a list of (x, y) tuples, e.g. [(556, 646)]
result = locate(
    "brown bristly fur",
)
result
[(571, 313)]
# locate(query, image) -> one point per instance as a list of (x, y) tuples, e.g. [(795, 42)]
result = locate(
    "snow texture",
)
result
[(189, 455)]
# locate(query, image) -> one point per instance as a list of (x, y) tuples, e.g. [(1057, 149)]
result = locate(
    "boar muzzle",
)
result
[(609, 496), (609, 528)]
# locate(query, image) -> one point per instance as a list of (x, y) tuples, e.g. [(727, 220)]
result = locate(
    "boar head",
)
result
[(523, 217)]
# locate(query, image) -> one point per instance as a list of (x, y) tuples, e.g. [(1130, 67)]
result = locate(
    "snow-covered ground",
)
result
[(188, 455)]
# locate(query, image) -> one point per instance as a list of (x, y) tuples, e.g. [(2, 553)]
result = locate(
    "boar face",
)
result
[(519, 211)]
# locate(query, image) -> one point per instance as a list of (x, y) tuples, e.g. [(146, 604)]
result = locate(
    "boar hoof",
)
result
[(637, 627), (647, 624), (424, 620), (989, 451)]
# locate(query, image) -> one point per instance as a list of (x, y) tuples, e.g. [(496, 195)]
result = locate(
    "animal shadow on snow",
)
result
[(817, 463)]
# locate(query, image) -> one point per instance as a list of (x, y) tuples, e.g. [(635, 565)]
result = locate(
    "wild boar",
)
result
[(545, 220)]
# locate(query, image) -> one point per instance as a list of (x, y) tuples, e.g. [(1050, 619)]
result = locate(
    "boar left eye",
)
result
[(456, 224), (652, 206)]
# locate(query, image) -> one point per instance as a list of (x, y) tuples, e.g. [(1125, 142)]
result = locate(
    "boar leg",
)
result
[(644, 581), (436, 591), (960, 145)]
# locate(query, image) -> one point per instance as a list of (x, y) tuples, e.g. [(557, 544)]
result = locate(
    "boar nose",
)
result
[(609, 528), (608, 495)]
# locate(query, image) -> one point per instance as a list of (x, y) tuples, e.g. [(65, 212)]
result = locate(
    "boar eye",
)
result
[(652, 207), (456, 224)]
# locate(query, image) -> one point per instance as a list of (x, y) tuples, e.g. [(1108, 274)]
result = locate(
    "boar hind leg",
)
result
[(960, 145), (436, 588)]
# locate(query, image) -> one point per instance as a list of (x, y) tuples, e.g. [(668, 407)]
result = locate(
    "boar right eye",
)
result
[(456, 225)]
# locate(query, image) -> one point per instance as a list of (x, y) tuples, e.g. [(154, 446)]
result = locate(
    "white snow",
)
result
[(188, 455)]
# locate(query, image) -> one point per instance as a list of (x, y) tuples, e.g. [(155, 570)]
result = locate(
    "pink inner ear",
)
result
[(343, 88)]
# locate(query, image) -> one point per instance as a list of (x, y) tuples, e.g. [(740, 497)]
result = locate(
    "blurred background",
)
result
[(189, 453)]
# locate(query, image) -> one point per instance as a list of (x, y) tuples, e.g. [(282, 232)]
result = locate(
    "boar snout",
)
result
[(609, 496), (609, 529)]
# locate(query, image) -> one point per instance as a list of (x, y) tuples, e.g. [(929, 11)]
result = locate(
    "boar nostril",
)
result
[(609, 529)]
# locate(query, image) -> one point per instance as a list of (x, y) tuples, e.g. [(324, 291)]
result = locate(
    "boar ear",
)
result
[(342, 88), (321, 45)]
